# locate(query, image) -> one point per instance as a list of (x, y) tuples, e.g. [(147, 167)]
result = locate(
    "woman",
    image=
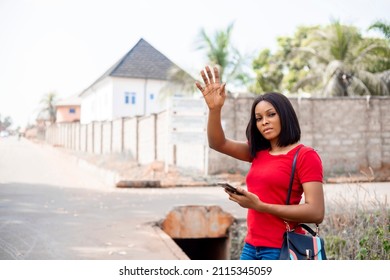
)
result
[(273, 135)]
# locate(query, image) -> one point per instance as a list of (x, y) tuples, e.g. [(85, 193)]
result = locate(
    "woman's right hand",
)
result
[(213, 91)]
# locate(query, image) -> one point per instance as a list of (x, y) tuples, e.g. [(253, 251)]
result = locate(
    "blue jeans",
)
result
[(250, 252)]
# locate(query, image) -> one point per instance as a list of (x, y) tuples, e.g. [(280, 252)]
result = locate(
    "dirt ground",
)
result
[(365, 175), (167, 176)]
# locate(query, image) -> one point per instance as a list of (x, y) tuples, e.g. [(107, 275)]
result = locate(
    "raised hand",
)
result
[(213, 91)]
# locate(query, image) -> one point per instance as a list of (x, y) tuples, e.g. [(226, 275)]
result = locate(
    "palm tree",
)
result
[(382, 27), (181, 80), (179, 83), (48, 102), (221, 52), (339, 62)]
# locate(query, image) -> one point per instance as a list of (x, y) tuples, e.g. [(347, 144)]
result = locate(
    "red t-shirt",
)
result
[(269, 178)]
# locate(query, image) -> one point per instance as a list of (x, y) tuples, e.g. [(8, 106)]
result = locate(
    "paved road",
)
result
[(51, 208)]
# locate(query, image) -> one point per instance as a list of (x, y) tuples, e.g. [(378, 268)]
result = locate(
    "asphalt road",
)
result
[(51, 208)]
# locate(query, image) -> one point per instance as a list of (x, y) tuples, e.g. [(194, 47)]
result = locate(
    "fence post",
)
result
[(155, 135), (137, 139), (122, 134)]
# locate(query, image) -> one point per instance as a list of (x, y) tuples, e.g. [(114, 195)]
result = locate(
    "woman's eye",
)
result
[(272, 114), (258, 119)]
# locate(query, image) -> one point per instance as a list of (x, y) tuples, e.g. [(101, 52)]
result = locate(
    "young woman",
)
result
[(273, 134)]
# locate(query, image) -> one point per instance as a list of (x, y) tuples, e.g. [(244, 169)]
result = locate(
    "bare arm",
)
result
[(311, 211), (215, 95)]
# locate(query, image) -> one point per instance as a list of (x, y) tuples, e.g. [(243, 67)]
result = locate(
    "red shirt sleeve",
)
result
[(309, 166)]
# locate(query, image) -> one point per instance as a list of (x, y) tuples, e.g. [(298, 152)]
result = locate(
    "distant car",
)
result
[(4, 133)]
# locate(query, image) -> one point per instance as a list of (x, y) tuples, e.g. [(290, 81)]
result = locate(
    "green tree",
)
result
[(340, 62), (220, 51), (382, 27), (278, 71), (48, 108), (383, 66), (5, 123), (179, 83), (269, 72), (334, 60), (181, 80)]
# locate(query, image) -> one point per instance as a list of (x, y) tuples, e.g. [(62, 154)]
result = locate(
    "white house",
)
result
[(131, 87)]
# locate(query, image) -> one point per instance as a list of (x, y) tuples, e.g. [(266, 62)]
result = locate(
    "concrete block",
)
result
[(197, 222)]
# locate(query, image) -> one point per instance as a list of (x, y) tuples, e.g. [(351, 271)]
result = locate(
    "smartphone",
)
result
[(229, 188)]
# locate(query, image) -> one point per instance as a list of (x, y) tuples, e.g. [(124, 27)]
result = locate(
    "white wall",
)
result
[(137, 88), (96, 102), (105, 101)]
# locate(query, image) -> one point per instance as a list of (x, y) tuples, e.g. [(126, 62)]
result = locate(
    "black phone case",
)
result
[(230, 188)]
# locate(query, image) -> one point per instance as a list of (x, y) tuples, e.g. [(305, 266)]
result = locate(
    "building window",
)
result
[(130, 98), (133, 98), (72, 111), (151, 96)]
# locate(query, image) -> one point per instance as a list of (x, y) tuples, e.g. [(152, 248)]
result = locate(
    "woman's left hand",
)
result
[(213, 90)]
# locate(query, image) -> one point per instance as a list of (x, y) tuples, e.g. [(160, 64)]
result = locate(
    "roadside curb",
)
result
[(168, 241)]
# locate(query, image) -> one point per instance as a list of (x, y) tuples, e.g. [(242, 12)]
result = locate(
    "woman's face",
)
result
[(267, 121)]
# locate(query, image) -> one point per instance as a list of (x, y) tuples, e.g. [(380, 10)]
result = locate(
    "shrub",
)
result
[(353, 229)]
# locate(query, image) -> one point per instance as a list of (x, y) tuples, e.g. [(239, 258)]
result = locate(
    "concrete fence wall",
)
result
[(349, 134), (144, 139)]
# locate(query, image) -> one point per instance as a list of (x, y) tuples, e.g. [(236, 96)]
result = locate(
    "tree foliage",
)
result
[(48, 110), (5, 122), (335, 60), (220, 51), (382, 27)]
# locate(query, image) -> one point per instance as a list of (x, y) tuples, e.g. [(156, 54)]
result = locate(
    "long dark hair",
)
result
[(290, 130)]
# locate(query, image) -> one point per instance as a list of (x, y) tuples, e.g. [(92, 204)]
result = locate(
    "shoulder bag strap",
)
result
[(307, 228), (292, 176)]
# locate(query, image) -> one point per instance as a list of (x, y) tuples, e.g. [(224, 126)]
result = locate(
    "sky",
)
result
[(63, 46)]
